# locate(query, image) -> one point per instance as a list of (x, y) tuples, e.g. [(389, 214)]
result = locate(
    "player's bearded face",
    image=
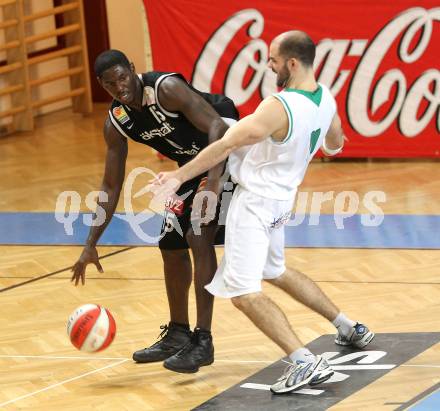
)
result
[(283, 75)]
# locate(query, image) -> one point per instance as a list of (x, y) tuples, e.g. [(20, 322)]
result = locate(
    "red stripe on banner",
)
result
[(378, 58)]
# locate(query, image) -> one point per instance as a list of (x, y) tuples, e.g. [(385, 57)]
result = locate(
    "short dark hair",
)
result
[(299, 46), (110, 58)]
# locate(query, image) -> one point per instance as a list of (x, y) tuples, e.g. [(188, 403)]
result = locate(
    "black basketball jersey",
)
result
[(170, 133)]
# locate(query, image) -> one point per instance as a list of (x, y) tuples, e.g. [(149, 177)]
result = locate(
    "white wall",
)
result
[(128, 32), (127, 25), (41, 69), (52, 66)]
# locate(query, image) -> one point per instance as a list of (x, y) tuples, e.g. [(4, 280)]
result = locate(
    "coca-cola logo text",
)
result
[(371, 88)]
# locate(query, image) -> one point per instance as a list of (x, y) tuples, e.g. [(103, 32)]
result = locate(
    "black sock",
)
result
[(174, 324), (202, 330)]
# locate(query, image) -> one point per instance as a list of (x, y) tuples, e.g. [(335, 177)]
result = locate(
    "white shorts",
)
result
[(254, 244)]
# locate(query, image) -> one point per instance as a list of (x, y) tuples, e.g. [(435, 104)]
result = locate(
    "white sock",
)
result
[(343, 324), (302, 355)]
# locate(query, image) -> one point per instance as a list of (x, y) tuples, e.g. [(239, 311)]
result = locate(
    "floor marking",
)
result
[(41, 277), (353, 367), (61, 383), (254, 386), (421, 365), (266, 387), (428, 400), (246, 361), (356, 367), (162, 279), (397, 231), (51, 357), (335, 367)]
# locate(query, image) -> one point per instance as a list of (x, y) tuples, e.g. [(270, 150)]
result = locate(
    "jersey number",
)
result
[(160, 118), (314, 139)]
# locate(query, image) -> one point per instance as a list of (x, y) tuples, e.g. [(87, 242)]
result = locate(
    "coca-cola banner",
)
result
[(380, 60)]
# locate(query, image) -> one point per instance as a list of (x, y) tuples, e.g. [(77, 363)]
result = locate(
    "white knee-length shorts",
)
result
[(254, 244)]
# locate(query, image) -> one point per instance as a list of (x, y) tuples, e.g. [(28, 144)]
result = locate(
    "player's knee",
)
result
[(276, 280), (190, 237), (203, 240), (175, 257), (237, 302), (243, 301), (177, 268)]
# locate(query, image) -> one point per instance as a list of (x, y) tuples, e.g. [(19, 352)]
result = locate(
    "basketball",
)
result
[(91, 328)]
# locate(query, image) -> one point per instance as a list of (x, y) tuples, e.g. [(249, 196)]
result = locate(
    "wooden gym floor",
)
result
[(393, 291)]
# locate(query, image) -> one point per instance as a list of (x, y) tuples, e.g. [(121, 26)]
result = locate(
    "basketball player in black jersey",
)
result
[(163, 111)]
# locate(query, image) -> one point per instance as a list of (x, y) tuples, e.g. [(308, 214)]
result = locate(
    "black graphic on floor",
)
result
[(354, 369)]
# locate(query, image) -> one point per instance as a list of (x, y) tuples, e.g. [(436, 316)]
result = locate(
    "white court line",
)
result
[(266, 387), (335, 367), (62, 382), (50, 357), (356, 367), (246, 361), (122, 360), (351, 367)]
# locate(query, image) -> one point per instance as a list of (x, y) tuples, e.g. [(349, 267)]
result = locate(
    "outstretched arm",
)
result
[(269, 119), (175, 95), (111, 185), (334, 140), (113, 180)]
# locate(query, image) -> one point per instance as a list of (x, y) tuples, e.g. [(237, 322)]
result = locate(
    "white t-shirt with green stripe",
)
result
[(275, 169)]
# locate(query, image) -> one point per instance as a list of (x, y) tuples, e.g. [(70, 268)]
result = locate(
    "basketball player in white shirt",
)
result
[(269, 152)]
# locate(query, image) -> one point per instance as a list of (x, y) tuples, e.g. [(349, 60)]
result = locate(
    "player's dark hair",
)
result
[(299, 46), (110, 58)]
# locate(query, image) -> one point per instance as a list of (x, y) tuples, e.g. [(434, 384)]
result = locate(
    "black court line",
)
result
[(419, 397), (58, 271), (162, 279), (100, 278)]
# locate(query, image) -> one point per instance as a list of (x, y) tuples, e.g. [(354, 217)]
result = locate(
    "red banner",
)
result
[(380, 60)]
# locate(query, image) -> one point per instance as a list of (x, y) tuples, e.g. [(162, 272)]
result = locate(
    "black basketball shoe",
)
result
[(174, 338), (197, 353)]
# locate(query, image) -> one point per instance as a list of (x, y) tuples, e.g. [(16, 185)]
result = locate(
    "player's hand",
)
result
[(168, 179), (165, 184), (89, 255)]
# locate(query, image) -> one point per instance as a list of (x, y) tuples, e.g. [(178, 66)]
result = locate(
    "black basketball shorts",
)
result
[(177, 217)]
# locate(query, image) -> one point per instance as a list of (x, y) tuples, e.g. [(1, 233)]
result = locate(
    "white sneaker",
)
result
[(296, 376), (359, 337)]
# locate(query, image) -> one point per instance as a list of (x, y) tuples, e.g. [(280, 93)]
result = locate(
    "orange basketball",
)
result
[(91, 328)]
